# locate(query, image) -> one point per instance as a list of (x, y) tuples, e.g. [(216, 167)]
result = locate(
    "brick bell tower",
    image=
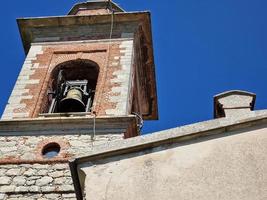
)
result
[(88, 78)]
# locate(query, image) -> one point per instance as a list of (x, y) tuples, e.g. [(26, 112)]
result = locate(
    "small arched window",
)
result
[(72, 87), (51, 150)]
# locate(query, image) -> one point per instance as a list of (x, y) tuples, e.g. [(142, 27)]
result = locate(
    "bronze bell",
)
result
[(72, 102)]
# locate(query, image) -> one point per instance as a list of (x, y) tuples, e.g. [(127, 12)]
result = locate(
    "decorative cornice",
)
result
[(69, 126)]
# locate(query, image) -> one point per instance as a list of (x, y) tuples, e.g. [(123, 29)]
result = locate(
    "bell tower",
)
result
[(88, 78), (95, 59)]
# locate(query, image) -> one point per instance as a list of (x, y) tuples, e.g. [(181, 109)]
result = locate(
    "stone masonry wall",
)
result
[(26, 174), (36, 181), (29, 148)]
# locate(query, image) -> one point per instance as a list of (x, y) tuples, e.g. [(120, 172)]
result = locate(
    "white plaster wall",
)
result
[(233, 167)]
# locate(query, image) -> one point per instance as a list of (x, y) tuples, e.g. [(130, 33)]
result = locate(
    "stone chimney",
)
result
[(233, 103)]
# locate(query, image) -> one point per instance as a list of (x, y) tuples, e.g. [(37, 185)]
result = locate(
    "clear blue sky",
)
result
[(201, 48)]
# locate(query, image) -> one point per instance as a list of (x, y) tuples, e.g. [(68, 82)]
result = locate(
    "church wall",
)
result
[(232, 166)]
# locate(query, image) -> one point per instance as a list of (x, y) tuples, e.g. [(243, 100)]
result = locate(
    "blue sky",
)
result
[(201, 48)]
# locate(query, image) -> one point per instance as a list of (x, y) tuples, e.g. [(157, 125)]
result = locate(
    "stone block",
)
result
[(30, 172), (24, 77), (34, 50), (13, 172), (60, 166), (70, 195), (21, 189), (66, 188), (31, 81), (14, 100), (44, 181), (56, 174), (30, 182), (2, 196), (34, 189), (4, 180), (19, 180), (53, 196), (2, 171), (7, 188), (48, 188), (42, 172), (38, 166), (19, 115), (33, 178), (59, 181)]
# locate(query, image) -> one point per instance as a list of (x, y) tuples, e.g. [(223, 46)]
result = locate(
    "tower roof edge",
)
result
[(90, 5)]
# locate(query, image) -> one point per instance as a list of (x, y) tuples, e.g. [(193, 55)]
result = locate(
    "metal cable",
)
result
[(140, 121), (94, 123), (109, 5)]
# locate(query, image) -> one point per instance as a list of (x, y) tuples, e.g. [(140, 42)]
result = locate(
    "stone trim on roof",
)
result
[(233, 102), (188, 132)]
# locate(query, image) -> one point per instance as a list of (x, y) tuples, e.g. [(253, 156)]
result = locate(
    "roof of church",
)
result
[(191, 132)]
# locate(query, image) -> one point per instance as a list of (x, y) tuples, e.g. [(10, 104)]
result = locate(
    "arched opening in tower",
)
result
[(72, 87)]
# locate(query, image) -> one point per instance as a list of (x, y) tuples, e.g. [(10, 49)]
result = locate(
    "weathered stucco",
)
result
[(232, 166)]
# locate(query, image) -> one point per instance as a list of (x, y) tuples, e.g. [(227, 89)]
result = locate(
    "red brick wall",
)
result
[(110, 59)]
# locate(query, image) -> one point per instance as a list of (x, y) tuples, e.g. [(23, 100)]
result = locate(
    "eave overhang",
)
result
[(25, 24), (69, 125), (143, 19)]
